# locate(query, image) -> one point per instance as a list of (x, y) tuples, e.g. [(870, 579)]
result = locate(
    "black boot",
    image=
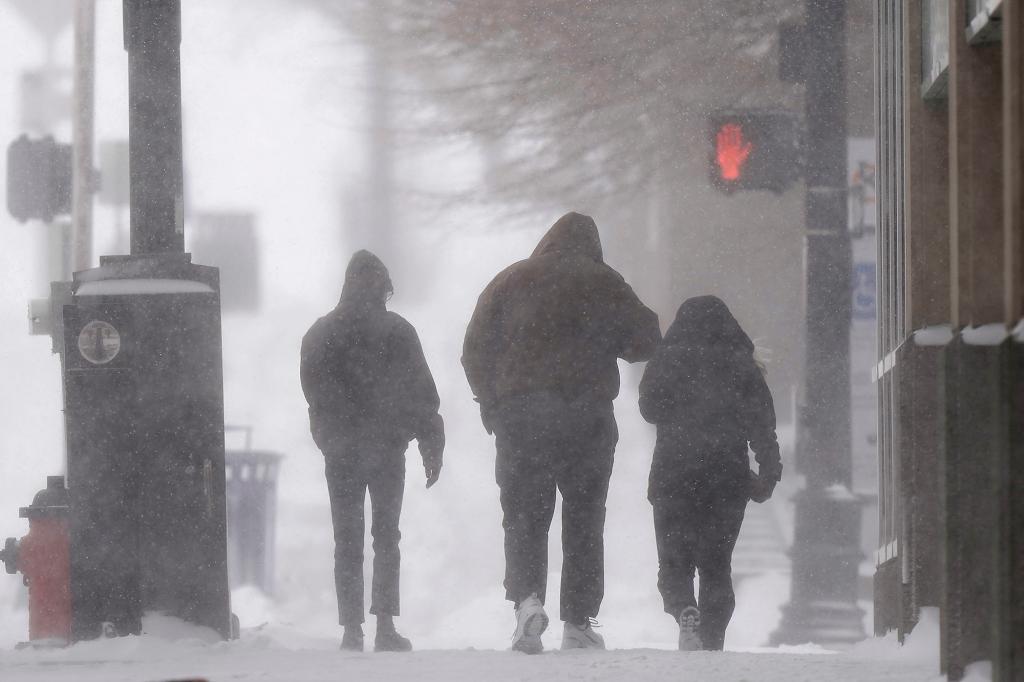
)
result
[(388, 638), (352, 640)]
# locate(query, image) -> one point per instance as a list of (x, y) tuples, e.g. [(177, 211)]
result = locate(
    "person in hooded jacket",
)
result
[(708, 397), (370, 393), (540, 356)]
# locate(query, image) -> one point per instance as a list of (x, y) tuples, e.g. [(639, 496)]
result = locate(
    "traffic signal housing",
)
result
[(753, 149), (38, 178)]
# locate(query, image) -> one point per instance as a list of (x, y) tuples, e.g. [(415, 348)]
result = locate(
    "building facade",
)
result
[(950, 373)]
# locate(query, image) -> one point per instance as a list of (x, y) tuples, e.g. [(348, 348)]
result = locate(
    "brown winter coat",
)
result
[(556, 322)]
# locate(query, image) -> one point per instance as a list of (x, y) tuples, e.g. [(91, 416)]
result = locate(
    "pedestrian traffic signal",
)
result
[(38, 178), (753, 150)]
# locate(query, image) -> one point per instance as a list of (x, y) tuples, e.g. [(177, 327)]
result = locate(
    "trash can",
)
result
[(251, 478)]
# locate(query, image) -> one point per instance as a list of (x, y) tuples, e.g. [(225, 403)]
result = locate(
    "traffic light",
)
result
[(38, 178), (753, 149)]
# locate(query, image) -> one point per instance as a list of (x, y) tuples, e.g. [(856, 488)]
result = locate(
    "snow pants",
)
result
[(696, 529), (350, 474), (544, 445)]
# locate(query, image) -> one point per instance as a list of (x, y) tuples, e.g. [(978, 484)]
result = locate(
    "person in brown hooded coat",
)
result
[(708, 397), (540, 356), (370, 392)]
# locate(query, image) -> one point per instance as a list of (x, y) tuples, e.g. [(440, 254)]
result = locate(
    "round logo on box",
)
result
[(99, 342)]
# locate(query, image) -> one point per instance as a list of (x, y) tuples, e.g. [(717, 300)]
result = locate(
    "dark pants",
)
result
[(544, 445), (697, 529), (351, 471)]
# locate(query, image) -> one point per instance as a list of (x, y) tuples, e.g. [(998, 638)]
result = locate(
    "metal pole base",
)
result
[(826, 557), (821, 622)]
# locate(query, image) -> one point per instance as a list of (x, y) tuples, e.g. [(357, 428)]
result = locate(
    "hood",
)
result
[(366, 280), (574, 234), (707, 321)]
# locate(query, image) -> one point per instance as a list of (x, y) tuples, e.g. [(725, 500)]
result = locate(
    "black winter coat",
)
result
[(362, 368), (556, 322), (708, 398)]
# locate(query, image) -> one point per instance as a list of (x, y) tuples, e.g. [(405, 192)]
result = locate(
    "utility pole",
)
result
[(826, 550), (381, 159), (370, 223), (43, 106), (82, 116)]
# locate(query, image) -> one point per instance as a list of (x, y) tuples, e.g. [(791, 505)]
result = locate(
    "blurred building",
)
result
[(950, 373), (229, 240)]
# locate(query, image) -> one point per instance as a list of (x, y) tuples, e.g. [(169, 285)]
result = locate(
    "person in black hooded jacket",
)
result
[(708, 397), (369, 392), (541, 357)]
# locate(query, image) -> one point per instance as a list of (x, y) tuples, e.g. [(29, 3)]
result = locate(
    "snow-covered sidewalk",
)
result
[(248, 660), (276, 653)]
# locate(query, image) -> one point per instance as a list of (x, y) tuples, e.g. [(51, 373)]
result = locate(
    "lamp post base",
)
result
[(821, 622), (826, 557)]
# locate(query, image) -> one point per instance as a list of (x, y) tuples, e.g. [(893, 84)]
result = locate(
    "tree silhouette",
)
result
[(575, 99)]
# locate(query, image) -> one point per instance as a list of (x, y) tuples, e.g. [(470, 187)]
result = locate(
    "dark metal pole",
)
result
[(826, 549), (152, 31), (376, 228), (82, 134)]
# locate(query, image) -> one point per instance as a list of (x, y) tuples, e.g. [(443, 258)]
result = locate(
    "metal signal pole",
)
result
[(153, 40), (826, 550)]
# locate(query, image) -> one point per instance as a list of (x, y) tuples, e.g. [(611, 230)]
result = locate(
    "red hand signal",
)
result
[(731, 150)]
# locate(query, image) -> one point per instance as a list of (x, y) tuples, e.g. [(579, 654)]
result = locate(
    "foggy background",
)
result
[(283, 119)]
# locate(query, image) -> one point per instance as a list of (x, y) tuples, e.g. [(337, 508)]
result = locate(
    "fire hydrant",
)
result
[(44, 559)]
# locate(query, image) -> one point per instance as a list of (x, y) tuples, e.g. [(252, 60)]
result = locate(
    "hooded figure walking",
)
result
[(707, 395), (370, 393), (540, 355)]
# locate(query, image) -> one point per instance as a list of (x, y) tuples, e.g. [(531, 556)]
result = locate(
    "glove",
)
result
[(432, 466), (760, 489), (431, 446)]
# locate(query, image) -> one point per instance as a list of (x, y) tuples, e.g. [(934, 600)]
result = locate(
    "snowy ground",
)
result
[(287, 652), (254, 660), (280, 653)]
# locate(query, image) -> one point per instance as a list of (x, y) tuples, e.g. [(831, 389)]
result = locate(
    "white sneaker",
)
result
[(531, 621), (581, 636), (689, 623)]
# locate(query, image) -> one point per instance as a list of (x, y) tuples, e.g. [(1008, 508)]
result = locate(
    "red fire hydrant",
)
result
[(44, 559)]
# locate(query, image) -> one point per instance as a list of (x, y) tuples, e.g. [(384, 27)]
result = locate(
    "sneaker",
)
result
[(582, 636), (531, 621), (352, 640), (689, 623), (388, 639)]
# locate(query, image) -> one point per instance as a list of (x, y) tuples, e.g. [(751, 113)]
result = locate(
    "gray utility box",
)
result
[(144, 407)]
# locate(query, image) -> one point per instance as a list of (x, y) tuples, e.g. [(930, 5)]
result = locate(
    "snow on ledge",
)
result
[(937, 335), (839, 493), (980, 671), (125, 287), (985, 335)]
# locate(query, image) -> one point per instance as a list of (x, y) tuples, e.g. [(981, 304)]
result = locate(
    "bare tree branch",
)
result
[(584, 98)]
